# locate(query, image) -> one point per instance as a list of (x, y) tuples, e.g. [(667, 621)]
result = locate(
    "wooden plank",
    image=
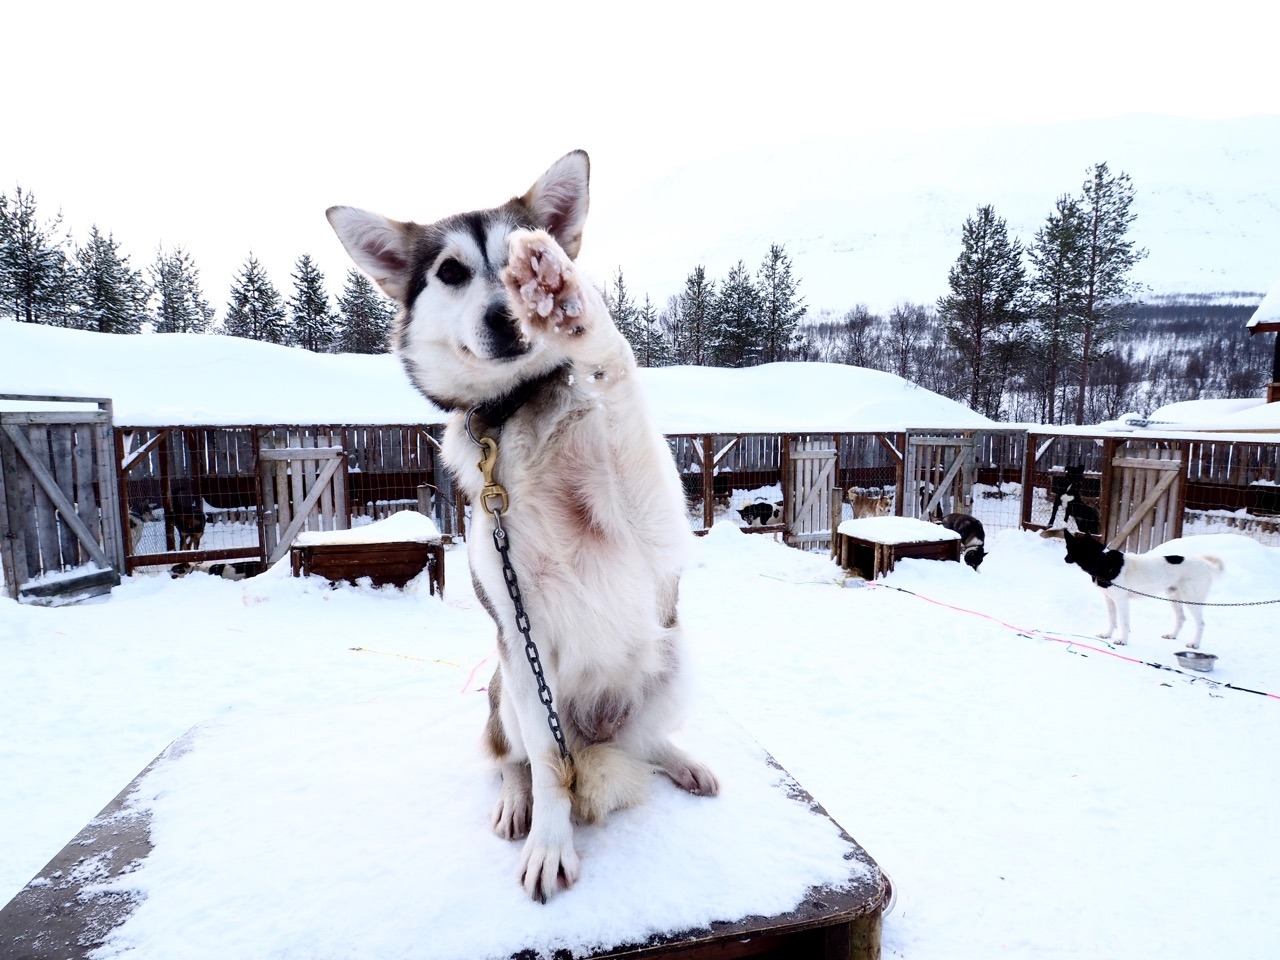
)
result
[(46, 482), (24, 418), (85, 475), (114, 523), (46, 511), (64, 475), (23, 545), (298, 453), (8, 543)]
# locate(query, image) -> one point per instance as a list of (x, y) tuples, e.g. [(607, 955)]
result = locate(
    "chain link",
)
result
[(522, 624), (1192, 603)]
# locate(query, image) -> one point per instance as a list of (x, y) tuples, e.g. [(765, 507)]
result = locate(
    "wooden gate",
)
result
[(938, 477), (60, 523), (1144, 496), (810, 478), (303, 488)]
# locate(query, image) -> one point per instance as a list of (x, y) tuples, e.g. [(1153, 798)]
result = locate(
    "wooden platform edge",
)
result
[(59, 914)]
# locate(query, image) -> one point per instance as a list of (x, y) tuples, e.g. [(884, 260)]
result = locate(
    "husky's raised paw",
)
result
[(541, 284)]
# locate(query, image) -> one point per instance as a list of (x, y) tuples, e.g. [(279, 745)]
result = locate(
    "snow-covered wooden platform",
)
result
[(872, 545), (362, 831)]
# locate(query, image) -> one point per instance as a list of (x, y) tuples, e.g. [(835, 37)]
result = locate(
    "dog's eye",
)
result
[(453, 273)]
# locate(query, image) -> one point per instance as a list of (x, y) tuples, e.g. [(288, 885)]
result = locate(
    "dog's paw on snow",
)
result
[(542, 285)]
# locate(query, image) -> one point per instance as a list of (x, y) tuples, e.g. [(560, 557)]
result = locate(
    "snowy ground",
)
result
[(1032, 794)]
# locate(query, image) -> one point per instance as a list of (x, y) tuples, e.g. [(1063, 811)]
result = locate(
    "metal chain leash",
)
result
[(1192, 603), (522, 624), (493, 498)]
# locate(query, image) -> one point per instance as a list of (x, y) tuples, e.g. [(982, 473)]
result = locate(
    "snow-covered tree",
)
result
[(689, 320), (110, 295), (982, 314), (652, 349), (315, 325), (364, 316), (37, 281), (177, 302), (1109, 258), (781, 310), (738, 338), (622, 309), (1056, 295), (254, 311)]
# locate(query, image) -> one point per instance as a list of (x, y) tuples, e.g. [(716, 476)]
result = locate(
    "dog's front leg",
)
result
[(548, 859), (1111, 617), (1121, 605)]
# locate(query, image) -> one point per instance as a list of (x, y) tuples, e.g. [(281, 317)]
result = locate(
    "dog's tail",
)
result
[(607, 778), (1215, 562)]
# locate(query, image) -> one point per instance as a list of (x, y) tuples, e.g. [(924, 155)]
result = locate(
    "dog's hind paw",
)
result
[(542, 285), (690, 775), (545, 868), (511, 816)]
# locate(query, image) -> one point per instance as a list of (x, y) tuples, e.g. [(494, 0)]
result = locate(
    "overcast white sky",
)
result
[(229, 127)]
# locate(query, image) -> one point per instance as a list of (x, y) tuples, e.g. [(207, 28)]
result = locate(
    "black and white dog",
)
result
[(761, 513), (1068, 490), (1120, 576), (973, 538), (496, 327)]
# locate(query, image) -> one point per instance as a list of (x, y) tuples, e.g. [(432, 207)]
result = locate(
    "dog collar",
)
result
[(494, 413)]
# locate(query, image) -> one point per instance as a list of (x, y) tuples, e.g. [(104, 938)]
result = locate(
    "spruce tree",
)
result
[(737, 339), (178, 304), (254, 311), (982, 313), (1108, 259), (623, 310), (314, 326), (364, 316), (37, 281), (653, 349), (111, 296), (780, 308), (1057, 293), (692, 321)]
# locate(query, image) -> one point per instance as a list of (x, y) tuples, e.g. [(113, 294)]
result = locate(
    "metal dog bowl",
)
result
[(1195, 660)]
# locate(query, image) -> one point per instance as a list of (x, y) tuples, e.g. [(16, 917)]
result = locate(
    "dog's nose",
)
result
[(505, 341)]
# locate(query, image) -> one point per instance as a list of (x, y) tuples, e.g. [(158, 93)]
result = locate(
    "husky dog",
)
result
[(496, 327), (184, 513), (973, 538), (866, 504), (1158, 575)]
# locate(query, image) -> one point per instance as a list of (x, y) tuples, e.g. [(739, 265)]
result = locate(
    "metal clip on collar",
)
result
[(493, 491)]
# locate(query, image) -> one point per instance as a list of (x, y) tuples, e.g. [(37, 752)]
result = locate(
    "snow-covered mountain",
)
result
[(877, 219)]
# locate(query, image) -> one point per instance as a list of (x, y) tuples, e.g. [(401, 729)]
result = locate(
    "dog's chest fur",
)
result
[(593, 530)]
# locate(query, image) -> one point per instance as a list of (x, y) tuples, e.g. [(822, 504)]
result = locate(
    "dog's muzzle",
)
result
[(502, 334)]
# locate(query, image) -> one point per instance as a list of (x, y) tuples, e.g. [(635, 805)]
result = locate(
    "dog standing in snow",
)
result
[(1158, 575), (973, 538), (496, 327)]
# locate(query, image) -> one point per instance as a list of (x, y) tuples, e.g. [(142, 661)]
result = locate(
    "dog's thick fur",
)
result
[(494, 320), (1159, 575), (973, 538), (868, 504)]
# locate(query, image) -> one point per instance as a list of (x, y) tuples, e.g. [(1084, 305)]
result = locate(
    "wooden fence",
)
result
[(1206, 485), (60, 521)]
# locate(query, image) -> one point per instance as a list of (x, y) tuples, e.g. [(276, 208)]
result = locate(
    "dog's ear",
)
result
[(560, 199), (380, 247)]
